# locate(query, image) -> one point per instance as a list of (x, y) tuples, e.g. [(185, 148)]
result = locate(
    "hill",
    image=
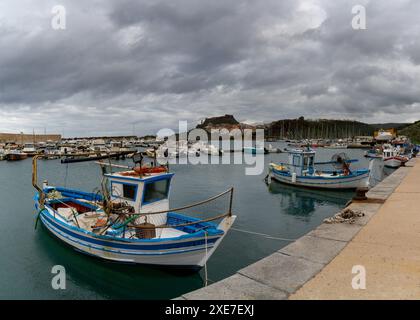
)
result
[(301, 128), (398, 126), (412, 131), (227, 121), (322, 128)]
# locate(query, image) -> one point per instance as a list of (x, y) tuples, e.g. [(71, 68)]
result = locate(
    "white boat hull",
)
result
[(392, 163), (177, 253), (324, 183)]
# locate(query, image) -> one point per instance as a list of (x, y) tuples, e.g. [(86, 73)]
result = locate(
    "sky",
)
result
[(137, 66)]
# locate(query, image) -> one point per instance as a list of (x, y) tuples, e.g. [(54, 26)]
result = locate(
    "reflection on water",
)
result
[(113, 280), (303, 202)]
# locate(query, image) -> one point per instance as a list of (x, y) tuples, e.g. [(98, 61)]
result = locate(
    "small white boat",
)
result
[(208, 148), (301, 171), (131, 222), (29, 149), (214, 151), (373, 154), (338, 145), (392, 157)]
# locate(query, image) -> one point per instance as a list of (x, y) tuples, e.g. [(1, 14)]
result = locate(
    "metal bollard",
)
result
[(361, 194)]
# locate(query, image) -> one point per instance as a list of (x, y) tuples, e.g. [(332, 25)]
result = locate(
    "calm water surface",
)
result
[(27, 255)]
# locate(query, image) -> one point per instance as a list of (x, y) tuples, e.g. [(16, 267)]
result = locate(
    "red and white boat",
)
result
[(392, 157)]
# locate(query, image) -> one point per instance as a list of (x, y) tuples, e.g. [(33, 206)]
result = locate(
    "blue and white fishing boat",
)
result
[(301, 170), (130, 220)]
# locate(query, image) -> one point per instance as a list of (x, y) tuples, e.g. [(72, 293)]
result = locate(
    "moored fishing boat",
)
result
[(272, 149), (130, 220), (302, 171), (392, 157), (16, 155)]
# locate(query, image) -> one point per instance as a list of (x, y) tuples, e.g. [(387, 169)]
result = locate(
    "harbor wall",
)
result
[(280, 275), (19, 138)]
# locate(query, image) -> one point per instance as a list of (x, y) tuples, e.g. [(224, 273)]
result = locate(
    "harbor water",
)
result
[(28, 255)]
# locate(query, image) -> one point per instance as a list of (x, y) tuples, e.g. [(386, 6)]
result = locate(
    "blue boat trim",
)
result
[(357, 173), (53, 229), (317, 184), (151, 178), (134, 242)]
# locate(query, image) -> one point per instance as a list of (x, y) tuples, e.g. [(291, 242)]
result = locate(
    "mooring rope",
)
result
[(263, 235)]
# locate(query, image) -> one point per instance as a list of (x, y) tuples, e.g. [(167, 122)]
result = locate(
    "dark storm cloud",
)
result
[(152, 63)]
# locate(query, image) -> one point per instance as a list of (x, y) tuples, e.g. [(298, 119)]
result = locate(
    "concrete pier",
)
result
[(386, 242)]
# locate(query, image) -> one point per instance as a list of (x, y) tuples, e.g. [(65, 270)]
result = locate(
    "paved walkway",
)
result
[(388, 247)]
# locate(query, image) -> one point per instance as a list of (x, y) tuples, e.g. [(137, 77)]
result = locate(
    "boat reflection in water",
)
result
[(302, 202)]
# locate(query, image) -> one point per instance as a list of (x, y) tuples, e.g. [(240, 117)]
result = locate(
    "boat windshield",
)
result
[(308, 162), (155, 191)]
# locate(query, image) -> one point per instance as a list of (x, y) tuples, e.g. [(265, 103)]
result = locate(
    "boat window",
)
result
[(311, 161), (124, 190), (129, 191), (296, 161), (155, 191), (305, 162)]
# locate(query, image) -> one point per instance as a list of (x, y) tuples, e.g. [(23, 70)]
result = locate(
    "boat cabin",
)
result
[(389, 151), (145, 193), (301, 162), (29, 147)]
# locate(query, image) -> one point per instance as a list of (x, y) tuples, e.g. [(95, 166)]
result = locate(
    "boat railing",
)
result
[(134, 216)]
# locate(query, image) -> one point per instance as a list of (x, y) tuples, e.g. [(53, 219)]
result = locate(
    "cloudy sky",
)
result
[(141, 65)]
